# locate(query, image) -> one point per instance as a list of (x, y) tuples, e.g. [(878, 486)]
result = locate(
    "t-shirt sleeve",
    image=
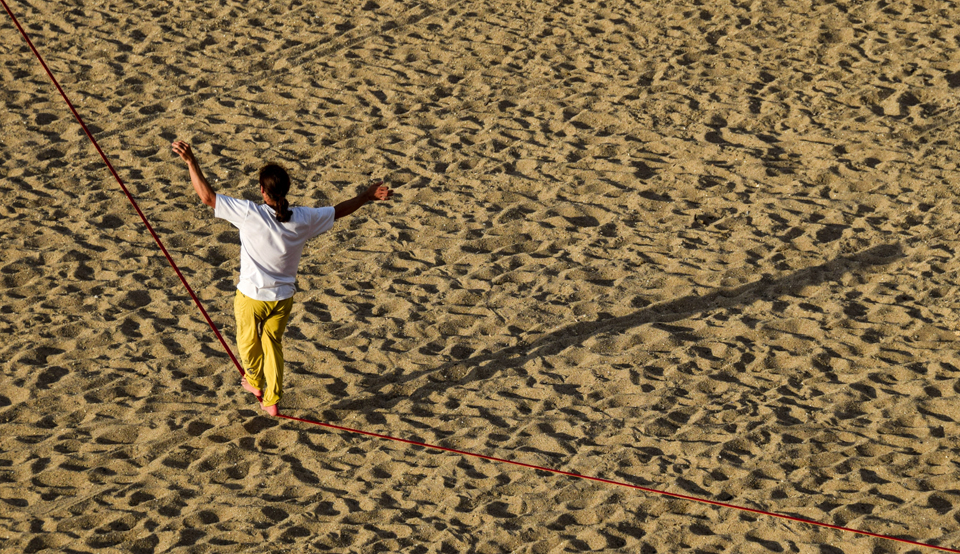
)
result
[(321, 219), (232, 209)]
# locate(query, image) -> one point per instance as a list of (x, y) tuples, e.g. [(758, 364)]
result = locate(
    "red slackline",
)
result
[(124, 187), (216, 331)]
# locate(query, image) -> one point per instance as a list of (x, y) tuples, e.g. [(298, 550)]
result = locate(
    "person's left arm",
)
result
[(199, 182), (376, 191)]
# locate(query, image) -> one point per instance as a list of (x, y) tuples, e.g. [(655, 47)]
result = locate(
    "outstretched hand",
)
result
[(199, 182), (378, 191), (183, 150)]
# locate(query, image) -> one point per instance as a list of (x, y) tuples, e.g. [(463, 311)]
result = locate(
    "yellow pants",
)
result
[(260, 327)]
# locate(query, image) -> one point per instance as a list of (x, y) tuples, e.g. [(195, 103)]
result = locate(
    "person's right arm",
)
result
[(199, 182)]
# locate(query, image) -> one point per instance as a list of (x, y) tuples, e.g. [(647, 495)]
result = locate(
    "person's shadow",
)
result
[(486, 365)]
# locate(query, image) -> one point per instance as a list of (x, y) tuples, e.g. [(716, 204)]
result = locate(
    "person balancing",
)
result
[(272, 238)]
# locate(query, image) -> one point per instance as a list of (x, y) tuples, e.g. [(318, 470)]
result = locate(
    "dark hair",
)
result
[(276, 183)]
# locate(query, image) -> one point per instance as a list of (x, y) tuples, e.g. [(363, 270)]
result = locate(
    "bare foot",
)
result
[(272, 410), (251, 389)]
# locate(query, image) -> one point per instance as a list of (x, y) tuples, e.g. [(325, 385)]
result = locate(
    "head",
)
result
[(274, 185)]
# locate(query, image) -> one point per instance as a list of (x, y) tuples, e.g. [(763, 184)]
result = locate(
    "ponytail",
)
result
[(282, 210), (276, 183)]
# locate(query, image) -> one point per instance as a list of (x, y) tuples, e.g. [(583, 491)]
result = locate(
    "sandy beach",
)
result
[(707, 248)]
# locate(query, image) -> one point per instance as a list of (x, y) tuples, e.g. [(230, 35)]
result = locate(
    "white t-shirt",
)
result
[(269, 250)]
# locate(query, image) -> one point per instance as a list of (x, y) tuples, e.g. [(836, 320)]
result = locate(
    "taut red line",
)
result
[(116, 176), (216, 331)]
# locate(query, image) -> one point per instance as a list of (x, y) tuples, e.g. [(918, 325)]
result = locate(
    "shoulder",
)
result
[(314, 213), (232, 200), (318, 219), (228, 207)]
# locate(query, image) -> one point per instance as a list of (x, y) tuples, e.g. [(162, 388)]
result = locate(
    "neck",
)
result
[(268, 201)]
